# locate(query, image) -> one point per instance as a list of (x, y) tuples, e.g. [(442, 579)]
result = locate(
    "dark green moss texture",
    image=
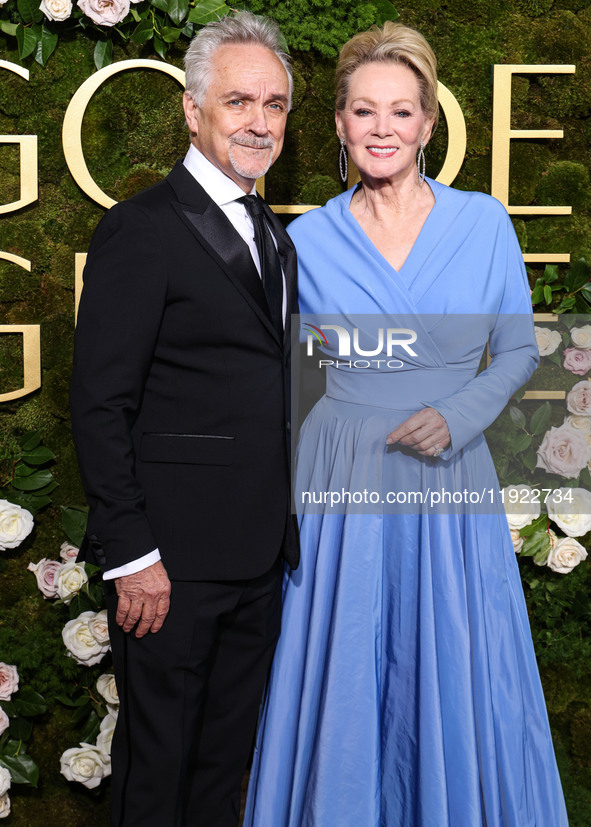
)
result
[(133, 132)]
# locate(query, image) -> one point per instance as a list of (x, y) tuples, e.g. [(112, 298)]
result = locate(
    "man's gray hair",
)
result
[(240, 28)]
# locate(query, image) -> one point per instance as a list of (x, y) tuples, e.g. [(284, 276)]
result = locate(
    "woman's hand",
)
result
[(425, 431)]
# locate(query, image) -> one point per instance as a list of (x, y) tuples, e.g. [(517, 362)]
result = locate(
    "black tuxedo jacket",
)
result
[(180, 390)]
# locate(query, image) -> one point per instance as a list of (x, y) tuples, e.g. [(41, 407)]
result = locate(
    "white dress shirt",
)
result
[(224, 192)]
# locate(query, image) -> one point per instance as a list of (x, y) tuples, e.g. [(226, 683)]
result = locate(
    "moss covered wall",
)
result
[(134, 132)]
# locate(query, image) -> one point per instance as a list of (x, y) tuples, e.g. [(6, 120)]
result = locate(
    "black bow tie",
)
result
[(270, 266)]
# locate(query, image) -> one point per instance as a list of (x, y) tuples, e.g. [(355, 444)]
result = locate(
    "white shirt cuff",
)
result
[(132, 568)]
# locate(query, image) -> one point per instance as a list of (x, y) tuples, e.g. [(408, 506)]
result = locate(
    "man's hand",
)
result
[(144, 596), (425, 431)]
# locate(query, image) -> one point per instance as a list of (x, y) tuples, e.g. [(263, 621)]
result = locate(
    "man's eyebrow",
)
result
[(249, 96)]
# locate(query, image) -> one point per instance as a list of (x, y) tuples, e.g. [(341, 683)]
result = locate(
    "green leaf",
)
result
[(45, 49), (160, 4), (585, 478), (91, 728), (29, 11), (24, 470), (550, 273), (581, 304), (539, 524), (63, 699), (530, 459), (521, 443), (40, 455), (103, 53), (20, 729), (566, 304), (30, 703), (81, 714), (517, 417), (36, 481), (8, 28), (541, 419), (386, 11), (547, 294), (206, 11), (169, 34), (22, 768), (143, 31), (30, 440), (135, 15), (535, 544), (160, 46), (74, 523), (26, 41), (10, 708), (586, 292), (537, 294), (577, 276), (189, 30), (177, 10), (541, 556), (32, 502)]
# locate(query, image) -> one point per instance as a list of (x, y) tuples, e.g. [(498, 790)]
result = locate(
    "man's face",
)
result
[(240, 126)]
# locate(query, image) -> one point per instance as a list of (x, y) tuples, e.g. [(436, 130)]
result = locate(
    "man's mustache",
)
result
[(254, 143)]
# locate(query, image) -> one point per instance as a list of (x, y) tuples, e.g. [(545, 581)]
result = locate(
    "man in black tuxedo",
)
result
[(179, 405)]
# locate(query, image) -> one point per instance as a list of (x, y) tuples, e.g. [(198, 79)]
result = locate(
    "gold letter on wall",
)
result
[(72, 128), (28, 155), (503, 134), (31, 334), (501, 144)]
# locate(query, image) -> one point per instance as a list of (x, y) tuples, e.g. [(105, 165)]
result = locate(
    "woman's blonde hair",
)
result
[(394, 43)]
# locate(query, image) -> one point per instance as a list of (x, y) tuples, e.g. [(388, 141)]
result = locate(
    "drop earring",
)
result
[(343, 162)]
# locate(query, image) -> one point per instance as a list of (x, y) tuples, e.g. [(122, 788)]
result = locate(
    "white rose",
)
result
[(563, 451), (16, 523), (516, 539), (566, 554), (4, 724), (46, 571), (85, 764), (578, 400), (5, 780), (579, 423), (547, 340), (81, 643), (520, 509), (105, 736), (4, 806), (8, 681), (105, 12), (100, 628), (581, 337), (570, 509), (70, 579), (107, 687), (68, 552), (56, 9)]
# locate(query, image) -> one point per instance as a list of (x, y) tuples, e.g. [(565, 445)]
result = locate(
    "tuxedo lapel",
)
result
[(215, 233)]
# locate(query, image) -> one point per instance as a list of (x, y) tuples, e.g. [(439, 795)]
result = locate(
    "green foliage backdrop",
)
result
[(133, 133)]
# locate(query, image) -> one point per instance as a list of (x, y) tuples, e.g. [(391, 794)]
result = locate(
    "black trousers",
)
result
[(190, 696)]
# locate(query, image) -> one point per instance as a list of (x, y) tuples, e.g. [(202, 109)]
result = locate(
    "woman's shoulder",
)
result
[(319, 219), (472, 199)]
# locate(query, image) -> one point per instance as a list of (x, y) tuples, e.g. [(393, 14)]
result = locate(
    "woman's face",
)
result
[(383, 122)]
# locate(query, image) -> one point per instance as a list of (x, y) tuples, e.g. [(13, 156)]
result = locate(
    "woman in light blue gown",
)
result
[(404, 690)]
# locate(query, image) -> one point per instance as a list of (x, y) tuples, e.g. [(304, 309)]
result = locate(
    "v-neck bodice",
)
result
[(406, 268)]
